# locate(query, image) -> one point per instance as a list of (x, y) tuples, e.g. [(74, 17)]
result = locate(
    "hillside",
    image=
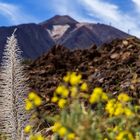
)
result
[(32, 39), (114, 66)]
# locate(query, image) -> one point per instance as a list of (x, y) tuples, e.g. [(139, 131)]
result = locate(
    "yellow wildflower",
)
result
[(67, 77), (94, 98), (60, 89), (32, 95), (98, 95), (61, 103), (128, 112), (98, 90), (119, 109), (62, 131), (124, 97), (56, 127), (37, 101), (125, 135), (104, 97), (65, 92), (71, 136), (75, 79), (110, 107), (28, 105), (84, 87), (73, 90), (28, 129), (54, 99)]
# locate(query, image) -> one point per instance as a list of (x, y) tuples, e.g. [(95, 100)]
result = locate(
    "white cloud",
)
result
[(137, 5), (100, 10), (108, 12), (14, 14), (136, 2)]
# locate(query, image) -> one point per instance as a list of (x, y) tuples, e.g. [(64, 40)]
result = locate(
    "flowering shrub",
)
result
[(84, 116)]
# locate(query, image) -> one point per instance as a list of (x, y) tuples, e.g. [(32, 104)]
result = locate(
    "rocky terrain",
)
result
[(37, 39), (114, 66)]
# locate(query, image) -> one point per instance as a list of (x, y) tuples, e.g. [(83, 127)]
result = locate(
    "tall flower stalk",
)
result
[(13, 91)]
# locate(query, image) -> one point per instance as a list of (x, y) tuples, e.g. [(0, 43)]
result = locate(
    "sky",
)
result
[(122, 14)]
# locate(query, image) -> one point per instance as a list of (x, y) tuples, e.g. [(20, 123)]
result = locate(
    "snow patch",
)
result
[(58, 31)]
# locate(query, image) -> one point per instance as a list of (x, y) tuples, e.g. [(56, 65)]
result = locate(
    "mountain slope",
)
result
[(81, 37), (72, 34), (32, 39)]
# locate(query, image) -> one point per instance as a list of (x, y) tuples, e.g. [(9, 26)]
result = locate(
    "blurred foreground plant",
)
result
[(95, 116)]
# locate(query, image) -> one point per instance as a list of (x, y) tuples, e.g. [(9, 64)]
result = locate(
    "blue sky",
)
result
[(122, 14)]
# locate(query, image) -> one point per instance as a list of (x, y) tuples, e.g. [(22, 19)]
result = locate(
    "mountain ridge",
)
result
[(36, 39)]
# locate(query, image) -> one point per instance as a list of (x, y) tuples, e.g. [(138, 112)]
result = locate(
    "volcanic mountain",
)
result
[(36, 39), (73, 34)]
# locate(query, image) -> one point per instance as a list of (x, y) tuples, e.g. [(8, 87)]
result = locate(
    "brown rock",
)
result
[(115, 56)]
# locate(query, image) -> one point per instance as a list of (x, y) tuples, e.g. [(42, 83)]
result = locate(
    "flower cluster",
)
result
[(119, 106), (63, 131), (72, 78), (101, 116), (69, 89), (32, 100), (97, 96), (28, 129)]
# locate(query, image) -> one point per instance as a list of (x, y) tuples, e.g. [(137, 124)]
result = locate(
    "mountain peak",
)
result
[(60, 20)]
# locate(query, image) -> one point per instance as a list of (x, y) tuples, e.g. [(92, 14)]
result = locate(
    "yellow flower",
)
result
[(71, 136), (128, 112), (124, 97), (60, 89), (73, 90), (110, 106), (94, 98), (75, 79), (32, 95), (37, 101), (28, 129), (28, 105), (97, 95), (65, 92), (56, 127), (98, 90), (62, 131), (84, 87), (67, 77), (104, 97), (125, 135), (61, 103), (119, 109), (54, 99)]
